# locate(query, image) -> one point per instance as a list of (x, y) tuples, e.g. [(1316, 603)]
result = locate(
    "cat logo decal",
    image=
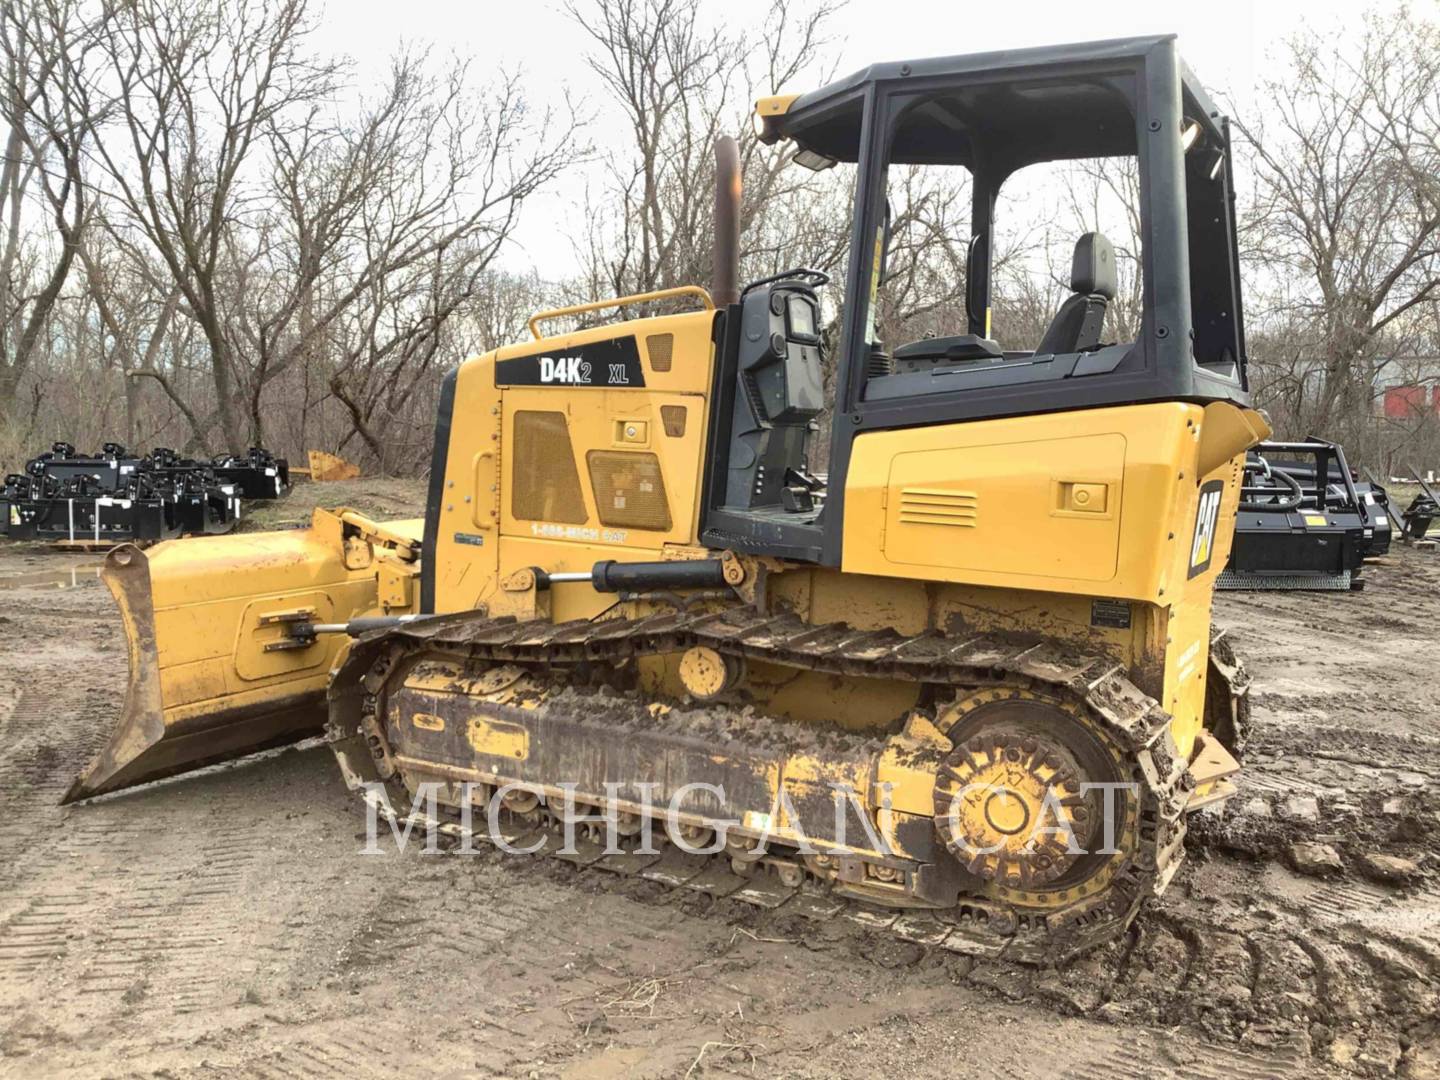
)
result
[(1207, 517)]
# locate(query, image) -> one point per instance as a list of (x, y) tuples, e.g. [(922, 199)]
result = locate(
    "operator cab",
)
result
[(985, 119)]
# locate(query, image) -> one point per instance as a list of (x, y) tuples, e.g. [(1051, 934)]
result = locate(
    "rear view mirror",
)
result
[(976, 263)]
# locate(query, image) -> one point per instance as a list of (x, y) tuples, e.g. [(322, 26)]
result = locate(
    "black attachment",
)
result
[(1278, 490), (1301, 522), (1423, 509), (114, 496)]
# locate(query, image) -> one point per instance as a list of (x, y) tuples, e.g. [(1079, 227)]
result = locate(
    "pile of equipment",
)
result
[(1304, 521), (114, 496)]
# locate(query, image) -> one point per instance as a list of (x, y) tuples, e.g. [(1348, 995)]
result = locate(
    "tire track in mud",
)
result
[(1128, 1059), (1274, 980), (430, 915), (37, 936), (152, 953), (41, 750), (113, 929), (1267, 993), (501, 966), (152, 917), (352, 1051), (1363, 660), (1269, 996), (344, 1047), (50, 907)]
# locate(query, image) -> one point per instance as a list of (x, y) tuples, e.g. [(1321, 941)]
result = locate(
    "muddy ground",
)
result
[(228, 924)]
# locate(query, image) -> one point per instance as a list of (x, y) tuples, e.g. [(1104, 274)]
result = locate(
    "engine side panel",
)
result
[(572, 449)]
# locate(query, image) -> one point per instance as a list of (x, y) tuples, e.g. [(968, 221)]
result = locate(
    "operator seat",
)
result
[(1078, 323)]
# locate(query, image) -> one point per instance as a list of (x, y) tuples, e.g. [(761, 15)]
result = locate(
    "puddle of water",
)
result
[(68, 578)]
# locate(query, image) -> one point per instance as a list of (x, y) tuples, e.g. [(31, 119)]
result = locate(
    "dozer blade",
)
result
[(214, 670)]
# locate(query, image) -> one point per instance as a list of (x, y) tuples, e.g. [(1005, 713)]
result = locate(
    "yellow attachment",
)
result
[(216, 670), (622, 301), (326, 467)]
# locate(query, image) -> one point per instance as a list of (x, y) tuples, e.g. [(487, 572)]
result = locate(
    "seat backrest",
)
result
[(1081, 318)]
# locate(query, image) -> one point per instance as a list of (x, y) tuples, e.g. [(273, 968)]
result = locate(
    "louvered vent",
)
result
[(939, 506)]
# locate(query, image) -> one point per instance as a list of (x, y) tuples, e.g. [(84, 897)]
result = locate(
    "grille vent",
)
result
[(629, 490), (673, 417), (546, 481), (661, 348)]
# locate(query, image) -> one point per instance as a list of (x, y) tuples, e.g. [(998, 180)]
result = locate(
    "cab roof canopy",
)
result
[(1000, 111)]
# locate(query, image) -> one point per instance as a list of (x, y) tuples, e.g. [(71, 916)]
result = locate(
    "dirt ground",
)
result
[(227, 924)]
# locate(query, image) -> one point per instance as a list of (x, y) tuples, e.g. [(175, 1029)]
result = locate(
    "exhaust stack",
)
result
[(725, 288)]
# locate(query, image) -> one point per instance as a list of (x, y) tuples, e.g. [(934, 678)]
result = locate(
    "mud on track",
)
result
[(227, 924)]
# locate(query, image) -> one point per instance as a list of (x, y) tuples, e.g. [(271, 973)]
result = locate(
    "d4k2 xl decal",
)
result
[(613, 364)]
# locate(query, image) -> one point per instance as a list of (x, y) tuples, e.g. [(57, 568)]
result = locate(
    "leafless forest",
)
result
[(210, 239)]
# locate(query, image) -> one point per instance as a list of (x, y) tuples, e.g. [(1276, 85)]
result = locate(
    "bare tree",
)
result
[(44, 51), (401, 331), (135, 312), (197, 89), (382, 229), (1344, 230), (681, 82)]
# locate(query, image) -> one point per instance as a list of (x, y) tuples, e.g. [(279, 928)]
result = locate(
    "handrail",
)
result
[(623, 301)]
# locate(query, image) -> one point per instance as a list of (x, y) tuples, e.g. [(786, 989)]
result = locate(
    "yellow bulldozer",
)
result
[(963, 673)]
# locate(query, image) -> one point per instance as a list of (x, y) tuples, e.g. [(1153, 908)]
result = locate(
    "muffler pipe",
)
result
[(725, 286)]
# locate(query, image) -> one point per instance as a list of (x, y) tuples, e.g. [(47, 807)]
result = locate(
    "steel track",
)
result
[(979, 925)]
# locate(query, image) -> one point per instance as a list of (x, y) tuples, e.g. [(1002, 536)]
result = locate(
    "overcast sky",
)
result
[(1224, 41)]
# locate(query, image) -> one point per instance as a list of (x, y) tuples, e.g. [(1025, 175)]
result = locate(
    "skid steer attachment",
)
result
[(217, 667)]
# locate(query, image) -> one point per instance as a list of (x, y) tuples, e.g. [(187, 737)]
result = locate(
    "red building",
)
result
[(1409, 402)]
